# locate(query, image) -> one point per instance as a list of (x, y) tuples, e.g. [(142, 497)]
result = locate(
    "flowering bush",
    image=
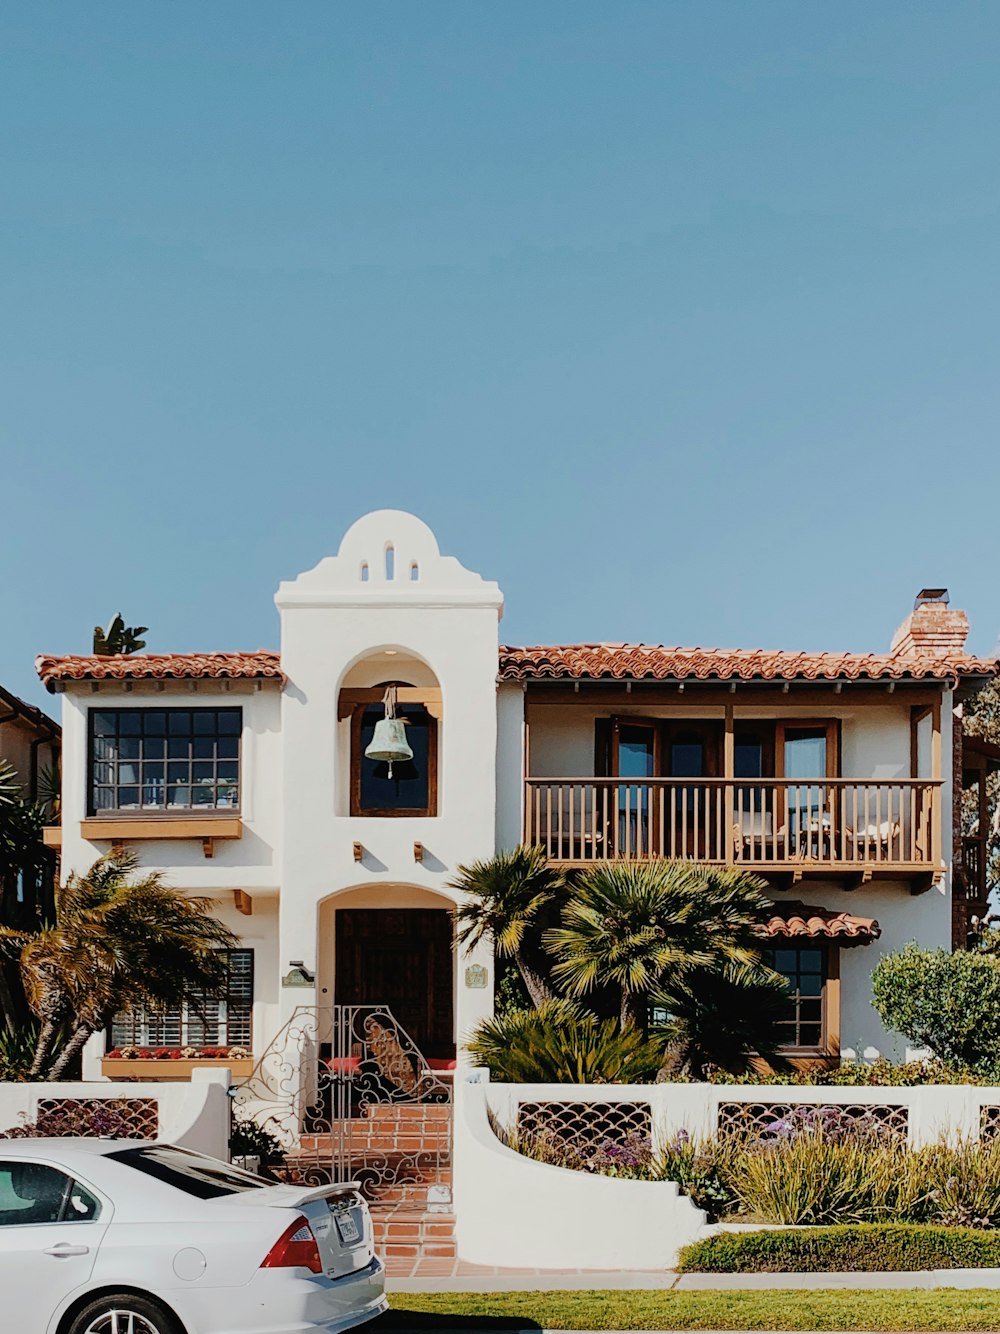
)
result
[(817, 1166), (92, 1120)]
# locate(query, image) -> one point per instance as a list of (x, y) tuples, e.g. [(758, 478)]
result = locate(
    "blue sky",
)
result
[(678, 319)]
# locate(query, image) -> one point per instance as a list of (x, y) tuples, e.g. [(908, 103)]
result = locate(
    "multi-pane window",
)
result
[(164, 759), (201, 1021), (804, 969)]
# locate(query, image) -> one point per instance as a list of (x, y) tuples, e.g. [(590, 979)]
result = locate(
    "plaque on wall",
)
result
[(475, 976)]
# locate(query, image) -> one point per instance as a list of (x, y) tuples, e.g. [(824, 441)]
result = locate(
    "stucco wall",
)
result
[(248, 862)]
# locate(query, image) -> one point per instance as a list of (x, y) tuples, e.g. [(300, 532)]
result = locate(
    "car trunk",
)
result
[(337, 1215)]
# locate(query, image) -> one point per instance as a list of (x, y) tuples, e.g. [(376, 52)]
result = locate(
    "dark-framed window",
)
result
[(412, 789), (164, 759), (805, 969), (200, 1021)]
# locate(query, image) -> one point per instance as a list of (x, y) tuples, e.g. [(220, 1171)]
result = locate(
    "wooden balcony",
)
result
[(850, 829), (974, 859)]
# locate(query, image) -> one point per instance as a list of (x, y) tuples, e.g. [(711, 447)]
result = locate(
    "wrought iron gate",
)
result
[(349, 1097)]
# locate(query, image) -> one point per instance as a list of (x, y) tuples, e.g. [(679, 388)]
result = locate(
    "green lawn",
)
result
[(943, 1309)]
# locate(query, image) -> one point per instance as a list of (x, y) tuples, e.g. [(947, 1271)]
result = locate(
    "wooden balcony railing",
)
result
[(974, 867), (767, 823)]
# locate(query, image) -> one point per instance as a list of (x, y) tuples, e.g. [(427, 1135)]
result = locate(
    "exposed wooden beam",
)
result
[(242, 902)]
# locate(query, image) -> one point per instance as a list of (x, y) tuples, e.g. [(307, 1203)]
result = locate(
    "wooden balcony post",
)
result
[(936, 845), (728, 769)]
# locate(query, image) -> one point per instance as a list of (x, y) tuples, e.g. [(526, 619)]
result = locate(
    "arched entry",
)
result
[(392, 945)]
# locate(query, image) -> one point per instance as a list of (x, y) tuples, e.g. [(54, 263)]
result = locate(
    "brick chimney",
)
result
[(932, 629)]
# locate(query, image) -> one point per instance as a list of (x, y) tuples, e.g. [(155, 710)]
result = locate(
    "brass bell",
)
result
[(389, 742)]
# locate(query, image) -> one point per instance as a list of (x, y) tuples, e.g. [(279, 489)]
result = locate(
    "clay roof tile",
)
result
[(800, 921), (261, 665)]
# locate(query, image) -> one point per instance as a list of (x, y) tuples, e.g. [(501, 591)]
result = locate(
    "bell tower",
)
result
[(388, 618)]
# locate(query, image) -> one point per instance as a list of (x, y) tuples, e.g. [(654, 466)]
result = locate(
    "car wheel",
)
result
[(123, 1313)]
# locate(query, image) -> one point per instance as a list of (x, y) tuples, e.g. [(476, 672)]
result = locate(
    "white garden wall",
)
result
[(195, 1114), (512, 1211)]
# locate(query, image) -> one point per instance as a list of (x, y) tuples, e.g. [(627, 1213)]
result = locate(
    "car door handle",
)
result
[(63, 1250)]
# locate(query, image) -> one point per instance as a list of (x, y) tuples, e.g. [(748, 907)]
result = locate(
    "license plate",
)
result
[(347, 1228)]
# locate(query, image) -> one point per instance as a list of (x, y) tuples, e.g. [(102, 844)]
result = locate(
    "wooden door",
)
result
[(635, 758), (400, 958), (692, 749)]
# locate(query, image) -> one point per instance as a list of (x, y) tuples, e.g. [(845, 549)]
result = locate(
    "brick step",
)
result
[(408, 1194), (375, 1141), (413, 1233), (387, 1111)]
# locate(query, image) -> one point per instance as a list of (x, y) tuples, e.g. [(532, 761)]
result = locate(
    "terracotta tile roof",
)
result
[(800, 921), (262, 665), (653, 662), (660, 663)]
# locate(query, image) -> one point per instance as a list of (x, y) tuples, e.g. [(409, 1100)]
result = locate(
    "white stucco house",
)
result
[(243, 777)]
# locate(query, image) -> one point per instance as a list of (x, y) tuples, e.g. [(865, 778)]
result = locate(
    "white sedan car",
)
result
[(125, 1237)]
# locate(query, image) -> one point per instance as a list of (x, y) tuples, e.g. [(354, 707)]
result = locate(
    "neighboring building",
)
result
[(242, 776), (29, 742)]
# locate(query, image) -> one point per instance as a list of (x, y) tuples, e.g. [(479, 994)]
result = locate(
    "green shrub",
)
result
[(704, 1171), (563, 1043), (864, 1248), (948, 1002), (250, 1140)]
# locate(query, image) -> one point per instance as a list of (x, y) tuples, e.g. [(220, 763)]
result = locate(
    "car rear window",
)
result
[(193, 1173)]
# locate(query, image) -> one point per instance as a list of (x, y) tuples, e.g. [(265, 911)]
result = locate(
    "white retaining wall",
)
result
[(933, 1111), (514, 1211), (194, 1114)]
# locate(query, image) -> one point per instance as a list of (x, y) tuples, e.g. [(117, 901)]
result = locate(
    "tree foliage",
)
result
[(118, 639), (982, 718), (638, 924), (947, 1002), (723, 1018), (562, 1043), (27, 872), (120, 942), (507, 899)]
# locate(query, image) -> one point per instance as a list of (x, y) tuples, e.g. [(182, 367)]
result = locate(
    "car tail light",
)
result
[(296, 1248)]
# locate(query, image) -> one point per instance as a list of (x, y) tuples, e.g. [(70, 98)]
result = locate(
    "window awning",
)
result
[(800, 921)]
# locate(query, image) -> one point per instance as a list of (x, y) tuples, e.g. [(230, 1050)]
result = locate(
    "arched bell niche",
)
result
[(373, 788)]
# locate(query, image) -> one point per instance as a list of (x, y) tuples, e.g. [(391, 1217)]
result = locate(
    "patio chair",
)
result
[(880, 837), (755, 838)]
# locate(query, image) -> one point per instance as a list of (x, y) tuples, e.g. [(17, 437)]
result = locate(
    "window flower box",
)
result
[(173, 1063)]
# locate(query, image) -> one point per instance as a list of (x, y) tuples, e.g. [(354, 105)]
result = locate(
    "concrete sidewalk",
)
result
[(577, 1280)]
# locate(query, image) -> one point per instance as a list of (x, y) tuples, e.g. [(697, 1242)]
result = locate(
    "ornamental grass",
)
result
[(815, 1169)]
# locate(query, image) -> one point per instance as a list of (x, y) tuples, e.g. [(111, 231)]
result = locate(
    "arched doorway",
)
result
[(392, 945)]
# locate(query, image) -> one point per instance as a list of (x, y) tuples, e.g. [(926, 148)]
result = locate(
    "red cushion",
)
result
[(343, 1065), (441, 1065)]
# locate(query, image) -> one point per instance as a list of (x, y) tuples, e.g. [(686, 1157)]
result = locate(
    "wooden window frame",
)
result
[(829, 1044), (400, 812), (164, 812)]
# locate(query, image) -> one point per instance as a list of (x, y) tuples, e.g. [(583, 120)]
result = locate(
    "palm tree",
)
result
[(26, 865), (120, 942), (507, 900), (633, 924), (725, 1017), (562, 1043)]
